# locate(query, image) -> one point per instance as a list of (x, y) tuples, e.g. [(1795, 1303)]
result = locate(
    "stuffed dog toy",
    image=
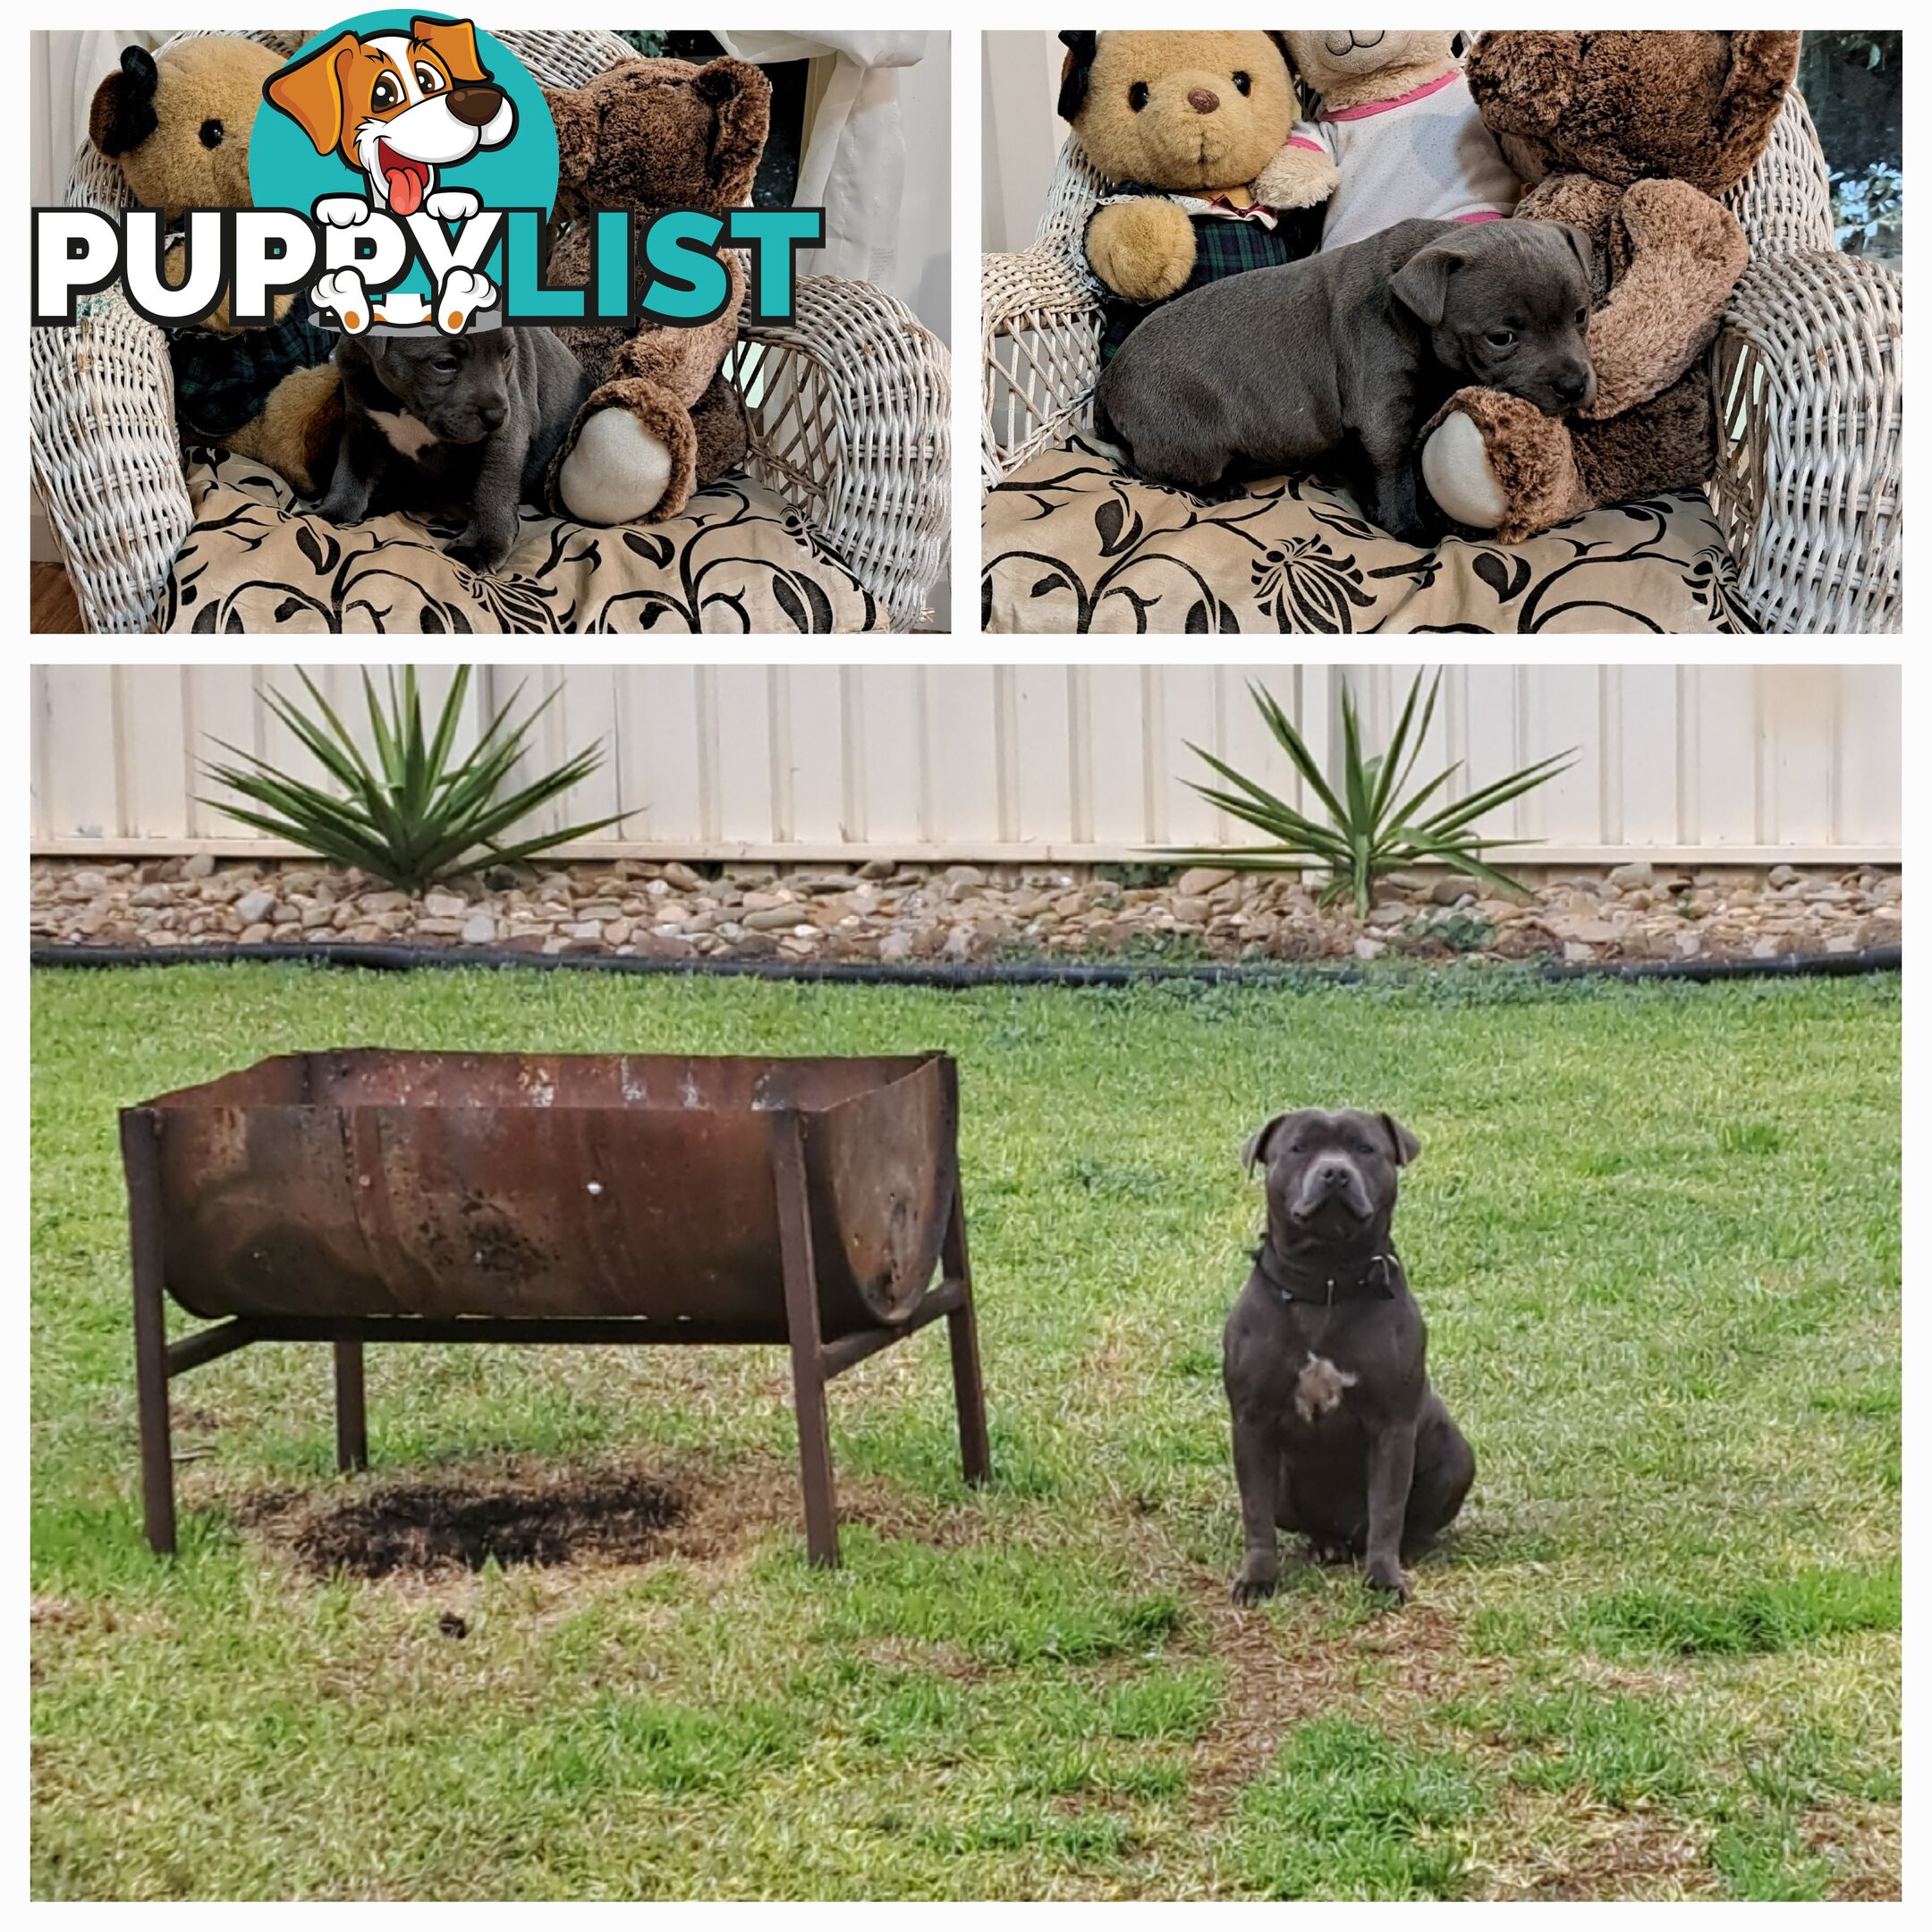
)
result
[(1629, 136), (1398, 122), (178, 129), (1185, 123)]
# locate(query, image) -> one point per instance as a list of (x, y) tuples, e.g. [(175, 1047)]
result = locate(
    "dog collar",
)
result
[(1380, 1274)]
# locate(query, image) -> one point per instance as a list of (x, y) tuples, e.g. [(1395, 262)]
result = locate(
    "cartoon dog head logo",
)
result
[(397, 107)]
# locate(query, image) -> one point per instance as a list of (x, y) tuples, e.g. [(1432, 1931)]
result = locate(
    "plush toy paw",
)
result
[(618, 472), (1144, 249), (1493, 461), (1296, 178)]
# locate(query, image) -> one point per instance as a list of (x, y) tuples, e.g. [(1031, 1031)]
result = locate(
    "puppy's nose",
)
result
[(1202, 101), (1332, 1175), (475, 105), (493, 414), (1572, 384)]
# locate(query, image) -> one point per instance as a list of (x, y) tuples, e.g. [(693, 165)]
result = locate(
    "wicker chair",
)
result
[(1809, 368), (849, 406)]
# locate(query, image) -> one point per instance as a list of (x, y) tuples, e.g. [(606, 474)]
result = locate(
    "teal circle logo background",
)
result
[(285, 171)]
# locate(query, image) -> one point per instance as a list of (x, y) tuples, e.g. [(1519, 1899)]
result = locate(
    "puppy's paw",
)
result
[(453, 204), (342, 211), (1385, 1573), (462, 294), (341, 294), (482, 550), (1258, 1577)]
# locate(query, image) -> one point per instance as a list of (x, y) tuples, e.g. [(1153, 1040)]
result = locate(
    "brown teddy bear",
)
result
[(1185, 123), (178, 129), (1629, 136), (649, 136)]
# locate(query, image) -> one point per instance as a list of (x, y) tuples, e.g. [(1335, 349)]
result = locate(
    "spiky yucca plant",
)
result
[(1374, 825), (417, 813)]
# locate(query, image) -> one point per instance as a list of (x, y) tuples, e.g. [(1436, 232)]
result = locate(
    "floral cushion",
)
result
[(1069, 542), (739, 559)]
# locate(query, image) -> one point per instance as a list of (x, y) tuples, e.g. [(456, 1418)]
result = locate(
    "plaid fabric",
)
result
[(1223, 247), (223, 377)]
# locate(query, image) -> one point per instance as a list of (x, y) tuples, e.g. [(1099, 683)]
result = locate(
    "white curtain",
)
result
[(854, 161), (64, 70)]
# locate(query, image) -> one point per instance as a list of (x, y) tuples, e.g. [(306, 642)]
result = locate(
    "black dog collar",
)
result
[(1379, 1274)]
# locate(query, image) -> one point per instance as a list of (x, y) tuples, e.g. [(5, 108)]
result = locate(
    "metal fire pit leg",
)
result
[(351, 1420), (807, 1360), (969, 1393), (140, 1161)]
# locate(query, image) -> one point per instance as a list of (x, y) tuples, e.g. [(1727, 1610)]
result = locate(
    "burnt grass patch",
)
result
[(425, 1527)]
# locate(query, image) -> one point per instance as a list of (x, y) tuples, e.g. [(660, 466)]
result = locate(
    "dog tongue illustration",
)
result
[(405, 188)]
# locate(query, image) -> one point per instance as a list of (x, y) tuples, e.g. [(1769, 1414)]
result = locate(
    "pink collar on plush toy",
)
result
[(1401, 100)]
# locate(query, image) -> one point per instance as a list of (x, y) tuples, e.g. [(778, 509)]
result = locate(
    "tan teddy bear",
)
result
[(178, 129), (1188, 126)]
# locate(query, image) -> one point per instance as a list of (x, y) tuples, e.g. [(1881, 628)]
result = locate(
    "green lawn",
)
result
[(1656, 1232)]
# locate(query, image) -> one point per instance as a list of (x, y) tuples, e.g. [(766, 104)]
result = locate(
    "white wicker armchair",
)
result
[(1809, 368), (849, 405)]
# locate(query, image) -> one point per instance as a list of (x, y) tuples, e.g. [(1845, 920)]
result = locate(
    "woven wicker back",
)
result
[(1785, 202), (555, 58)]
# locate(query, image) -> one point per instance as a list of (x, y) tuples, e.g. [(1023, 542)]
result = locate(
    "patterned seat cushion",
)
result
[(1069, 542), (740, 559)]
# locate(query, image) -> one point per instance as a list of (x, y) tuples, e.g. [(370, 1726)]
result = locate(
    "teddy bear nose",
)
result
[(1202, 101), (475, 106)]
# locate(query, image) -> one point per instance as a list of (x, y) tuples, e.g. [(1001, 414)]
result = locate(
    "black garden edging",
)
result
[(949, 976)]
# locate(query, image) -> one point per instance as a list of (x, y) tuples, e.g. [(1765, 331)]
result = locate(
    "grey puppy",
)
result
[(1337, 1434), (1350, 353), (435, 420)]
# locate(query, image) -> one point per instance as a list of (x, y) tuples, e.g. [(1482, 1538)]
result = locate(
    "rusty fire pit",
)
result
[(368, 1196)]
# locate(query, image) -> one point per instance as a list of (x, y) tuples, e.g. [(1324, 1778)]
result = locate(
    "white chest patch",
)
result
[(1319, 1387), (404, 432)]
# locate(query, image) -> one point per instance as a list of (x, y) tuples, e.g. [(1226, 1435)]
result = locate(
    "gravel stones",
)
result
[(896, 915)]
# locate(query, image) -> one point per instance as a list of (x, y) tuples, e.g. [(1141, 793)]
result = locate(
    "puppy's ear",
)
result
[(1075, 71), (1580, 246), (1255, 1148), (311, 92), (455, 43), (1421, 284), (1407, 1146), (123, 114)]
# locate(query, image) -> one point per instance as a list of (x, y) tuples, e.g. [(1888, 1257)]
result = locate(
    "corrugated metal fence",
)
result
[(811, 762)]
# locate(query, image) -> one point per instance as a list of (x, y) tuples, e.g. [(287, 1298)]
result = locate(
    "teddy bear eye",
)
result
[(1242, 83), (1137, 95), (212, 132)]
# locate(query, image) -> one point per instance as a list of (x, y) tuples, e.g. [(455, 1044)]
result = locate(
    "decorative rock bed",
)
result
[(897, 913)]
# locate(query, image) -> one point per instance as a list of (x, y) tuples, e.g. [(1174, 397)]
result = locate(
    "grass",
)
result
[(1656, 1231)]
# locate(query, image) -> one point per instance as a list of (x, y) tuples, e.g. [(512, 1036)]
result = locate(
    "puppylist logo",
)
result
[(403, 166)]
